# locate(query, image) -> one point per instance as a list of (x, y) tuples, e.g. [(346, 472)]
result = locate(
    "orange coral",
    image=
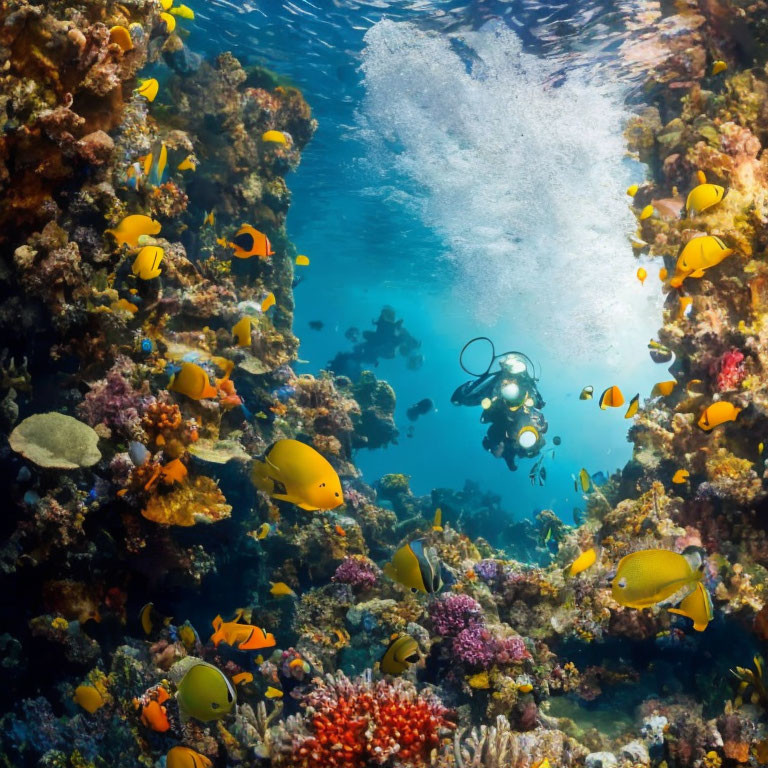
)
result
[(199, 501), (166, 427)]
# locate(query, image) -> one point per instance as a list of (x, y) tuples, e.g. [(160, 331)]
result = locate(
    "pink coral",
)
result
[(475, 647), (728, 370), (454, 613), (357, 571), (510, 650)]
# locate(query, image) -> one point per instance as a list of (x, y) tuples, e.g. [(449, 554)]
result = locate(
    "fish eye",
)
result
[(322, 485), (214, 705), (336, 494), (622, 583)]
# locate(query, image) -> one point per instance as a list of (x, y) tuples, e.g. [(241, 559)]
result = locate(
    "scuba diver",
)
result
[(511, 404)]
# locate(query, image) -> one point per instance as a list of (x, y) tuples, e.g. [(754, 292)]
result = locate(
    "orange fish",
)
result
[(192, 381), (250, 242), (244, 637), (340, 531), (154, 715)]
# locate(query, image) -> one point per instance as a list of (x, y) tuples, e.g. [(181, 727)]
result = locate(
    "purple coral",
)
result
[(488, 570), (474, 646), (510, 650), (357, 571), (453, 613)]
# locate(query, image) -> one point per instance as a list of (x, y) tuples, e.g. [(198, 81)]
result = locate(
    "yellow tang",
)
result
[(641, 275), (280, 589), (242, 332), (131, 228), (148, 89), (122, 37), (663, 388), (584, 480), (703, 196), (183, 12), (147, 264), (184, 757), (273, 693), (88, 698), (417, 567), (205, 693), (193, 382), (274, 137), (718, 67), (169, 22), (718, 413), (633, 406), (611, 398), (296, 472), (587, 392), (302, 261), (698, 607), (646, 213), (268, 302), (698, 255), (651, 576), (400, 654), (585, 560), (437, 523), (187, 164), (632, 190), (680, 476)]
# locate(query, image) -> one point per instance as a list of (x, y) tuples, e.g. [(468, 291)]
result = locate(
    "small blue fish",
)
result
[(599, 478), (286, 392), (146, 346)]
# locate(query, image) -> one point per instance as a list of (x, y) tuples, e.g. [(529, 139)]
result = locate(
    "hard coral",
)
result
[(198, 501), (729, 370), (452, 614), (357, 571)]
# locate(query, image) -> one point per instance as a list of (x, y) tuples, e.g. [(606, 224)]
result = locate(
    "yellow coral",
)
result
[(198, 501), (480, 680), (60, 623)]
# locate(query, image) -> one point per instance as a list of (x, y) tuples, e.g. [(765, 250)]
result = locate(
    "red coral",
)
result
[(359, 723), (729, 370)]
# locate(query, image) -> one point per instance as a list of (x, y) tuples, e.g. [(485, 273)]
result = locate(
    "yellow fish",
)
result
[(242, 332), (268, 302), (417, 567), (646, 213), (525, 688), (698, 607), (122, 37), (187, 164), (634, 404), (166, 4), (680, 476), (718, 413), (698, 255), (584, 480), (148, 89), (150, 619), (88, 698), (205, 693), (663, 274), (611, 398), (243, 678), (131, 228), (718, 67), (274, 137), (632, 190), (542, 763), (437, 523), (400, 654), (652, 576), (273, 693), (192, 381), (641, 275), (280, 589), (703, 196), (587, 392), (302, 261), (760, 448), (184, 757), (585, 560), (210, 219), (263, 531), (663, 388), (147, 264), (169, 22), (183, 12), (296, 472)]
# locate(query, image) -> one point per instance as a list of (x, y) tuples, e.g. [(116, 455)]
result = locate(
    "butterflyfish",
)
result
[(587, 392), (192, 381), (184, 757), (659, 353), (611, 398), (663, 388), (280, 589), (698, 255), (187, 164), (210, 219), (417, 567), (122, 37), (183, 12), (718, 413), (302, 261), (437, 522), (697, 607), (146, 265), (584, 480), (703, 196), (243, 637), (641, 275), (295, 472), (680, 476), (718, 67), (131, 228), (585, 560), (646, 213), (249, 242), (274, 137), (269, 301), (632, 190), (88, 698), (243, 678), (400, 654), (148, 89), (205, 693), (150, 619), (242, 332), (633, 406), (273, 693)]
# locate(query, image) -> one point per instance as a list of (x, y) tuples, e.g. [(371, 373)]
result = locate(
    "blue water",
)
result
[(468, 171)]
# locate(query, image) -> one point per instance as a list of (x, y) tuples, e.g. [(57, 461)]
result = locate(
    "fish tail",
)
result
[(261, 478)]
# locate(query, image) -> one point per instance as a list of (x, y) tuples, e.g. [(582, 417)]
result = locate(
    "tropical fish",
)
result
[(273, 693), (525, 687), (296, 472), (210, 219), (760, 448), (632, 190), (155, 164), (587, 392), (583, 480), (703, 196), (611, 398), (205, 693), (148, 89), (184, 757), (274, 137), (663, 388), (166, 4), (437, 522), (269, 301), (242, 332), (698, 255), (88, 698), (122, 37), (263, 531), (633, 406), (542, 763), (243, 678), (698, 607), (718, 67), (680, 476), (302, 261), (417, 567), (280, 589), (400, 654), (641, 275), (249, 242), (659, 353), (183, 12), (131, 228), (646, 213), (146, 265), (718, 413), (187, 635), (663, 274), (150, 619), (585, 560), (169, 22), (155, 716), (340, 531), (187, 164), (192, 381), (244, 637)]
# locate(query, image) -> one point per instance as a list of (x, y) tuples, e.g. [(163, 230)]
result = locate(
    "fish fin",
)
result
[(697, 273), (217, 622)]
